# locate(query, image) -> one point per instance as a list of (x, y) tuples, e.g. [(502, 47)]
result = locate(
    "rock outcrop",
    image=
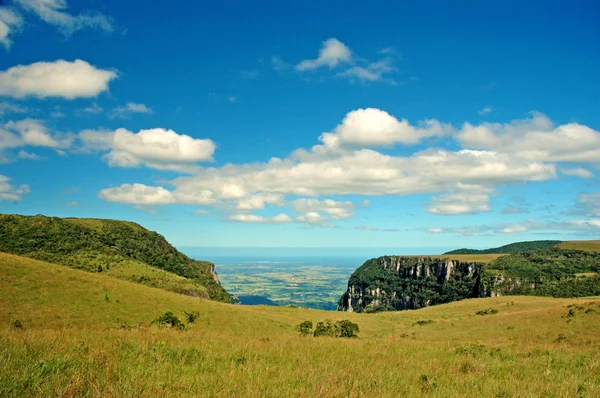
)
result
[(402, 283)]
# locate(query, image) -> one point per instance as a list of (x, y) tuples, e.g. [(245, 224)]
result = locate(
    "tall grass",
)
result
[(74, 342)]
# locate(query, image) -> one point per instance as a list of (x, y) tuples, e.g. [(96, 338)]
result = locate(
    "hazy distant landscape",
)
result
[(304, 282)]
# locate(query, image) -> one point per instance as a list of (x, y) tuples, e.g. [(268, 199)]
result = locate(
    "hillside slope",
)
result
[(122, 249), (86, 334), (517, 247)]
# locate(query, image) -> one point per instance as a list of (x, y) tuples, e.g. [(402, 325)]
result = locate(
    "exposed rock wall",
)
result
[(401, 283)]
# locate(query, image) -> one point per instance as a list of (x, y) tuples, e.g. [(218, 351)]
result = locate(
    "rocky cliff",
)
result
[(401, 283)]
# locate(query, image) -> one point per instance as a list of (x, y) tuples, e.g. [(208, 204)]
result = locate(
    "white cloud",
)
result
[(96, 140), (332, 53), (156, 148), (255, 202), (10, 22), (137, 194), (435, 230), (201, 212), (577, 172), (535, 139), (313, 217), (26, 155), (124, 112), (54, 13), (253, 218), (486, 110), (55, 79), (372, 72), (33, 133), (373, 127), (335, 209), (10, 192), (530, 225), (6, 107), (465, 199), (94, 109)]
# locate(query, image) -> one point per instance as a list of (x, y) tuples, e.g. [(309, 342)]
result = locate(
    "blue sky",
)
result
[(306, 124)]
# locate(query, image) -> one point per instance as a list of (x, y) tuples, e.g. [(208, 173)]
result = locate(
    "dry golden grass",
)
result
[(587, 245), (72, 344)]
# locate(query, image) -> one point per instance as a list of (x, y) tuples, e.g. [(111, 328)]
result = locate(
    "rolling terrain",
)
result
[(89, 334), (121, 249)]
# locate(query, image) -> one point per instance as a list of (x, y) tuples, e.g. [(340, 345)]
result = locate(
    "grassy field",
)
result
[(587, 245), (88, 334)]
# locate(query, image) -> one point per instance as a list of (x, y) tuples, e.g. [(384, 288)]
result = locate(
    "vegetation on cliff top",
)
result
[(517, 247), (550, 272), (122, 249)]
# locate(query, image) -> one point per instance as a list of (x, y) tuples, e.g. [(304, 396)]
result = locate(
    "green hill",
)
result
[(88, 334), (517, 247), (392, 283), (121, 249)]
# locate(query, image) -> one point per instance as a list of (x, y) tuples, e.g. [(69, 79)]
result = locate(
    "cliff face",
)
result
[(401, 283)]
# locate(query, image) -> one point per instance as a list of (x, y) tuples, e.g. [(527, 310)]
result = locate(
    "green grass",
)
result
[(72, 344), (476, 258)]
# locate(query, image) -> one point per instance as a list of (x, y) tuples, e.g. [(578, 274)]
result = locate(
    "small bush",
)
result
[(100, 268), (326, 328), (422, 323), (191, 316), (487, 311), (347, 329), (428, 383), (169, 319), (343, 328), (561, 337), (17, 324), (305, 328)]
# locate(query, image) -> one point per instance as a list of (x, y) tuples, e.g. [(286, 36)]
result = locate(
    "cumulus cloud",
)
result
[(536, 139), (577, 172), (313, 217), (130, 108), (54, 13), (30, 132), (465, 199), (156, 148), (254, 218), (30, 156), (373, 127), (337, 210), (335, 54), (461, 181), (255, 202), (137, 194), (332, 53), (10, 192), (10, 22), (55, 79)]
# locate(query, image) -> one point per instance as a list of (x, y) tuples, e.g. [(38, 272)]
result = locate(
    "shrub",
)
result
[(100, 268), (343, 328), (326, 328), (422, 323), (487, 311), (305, 328), (347, 329), (191, 316), (17, 324), (169, 319)]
